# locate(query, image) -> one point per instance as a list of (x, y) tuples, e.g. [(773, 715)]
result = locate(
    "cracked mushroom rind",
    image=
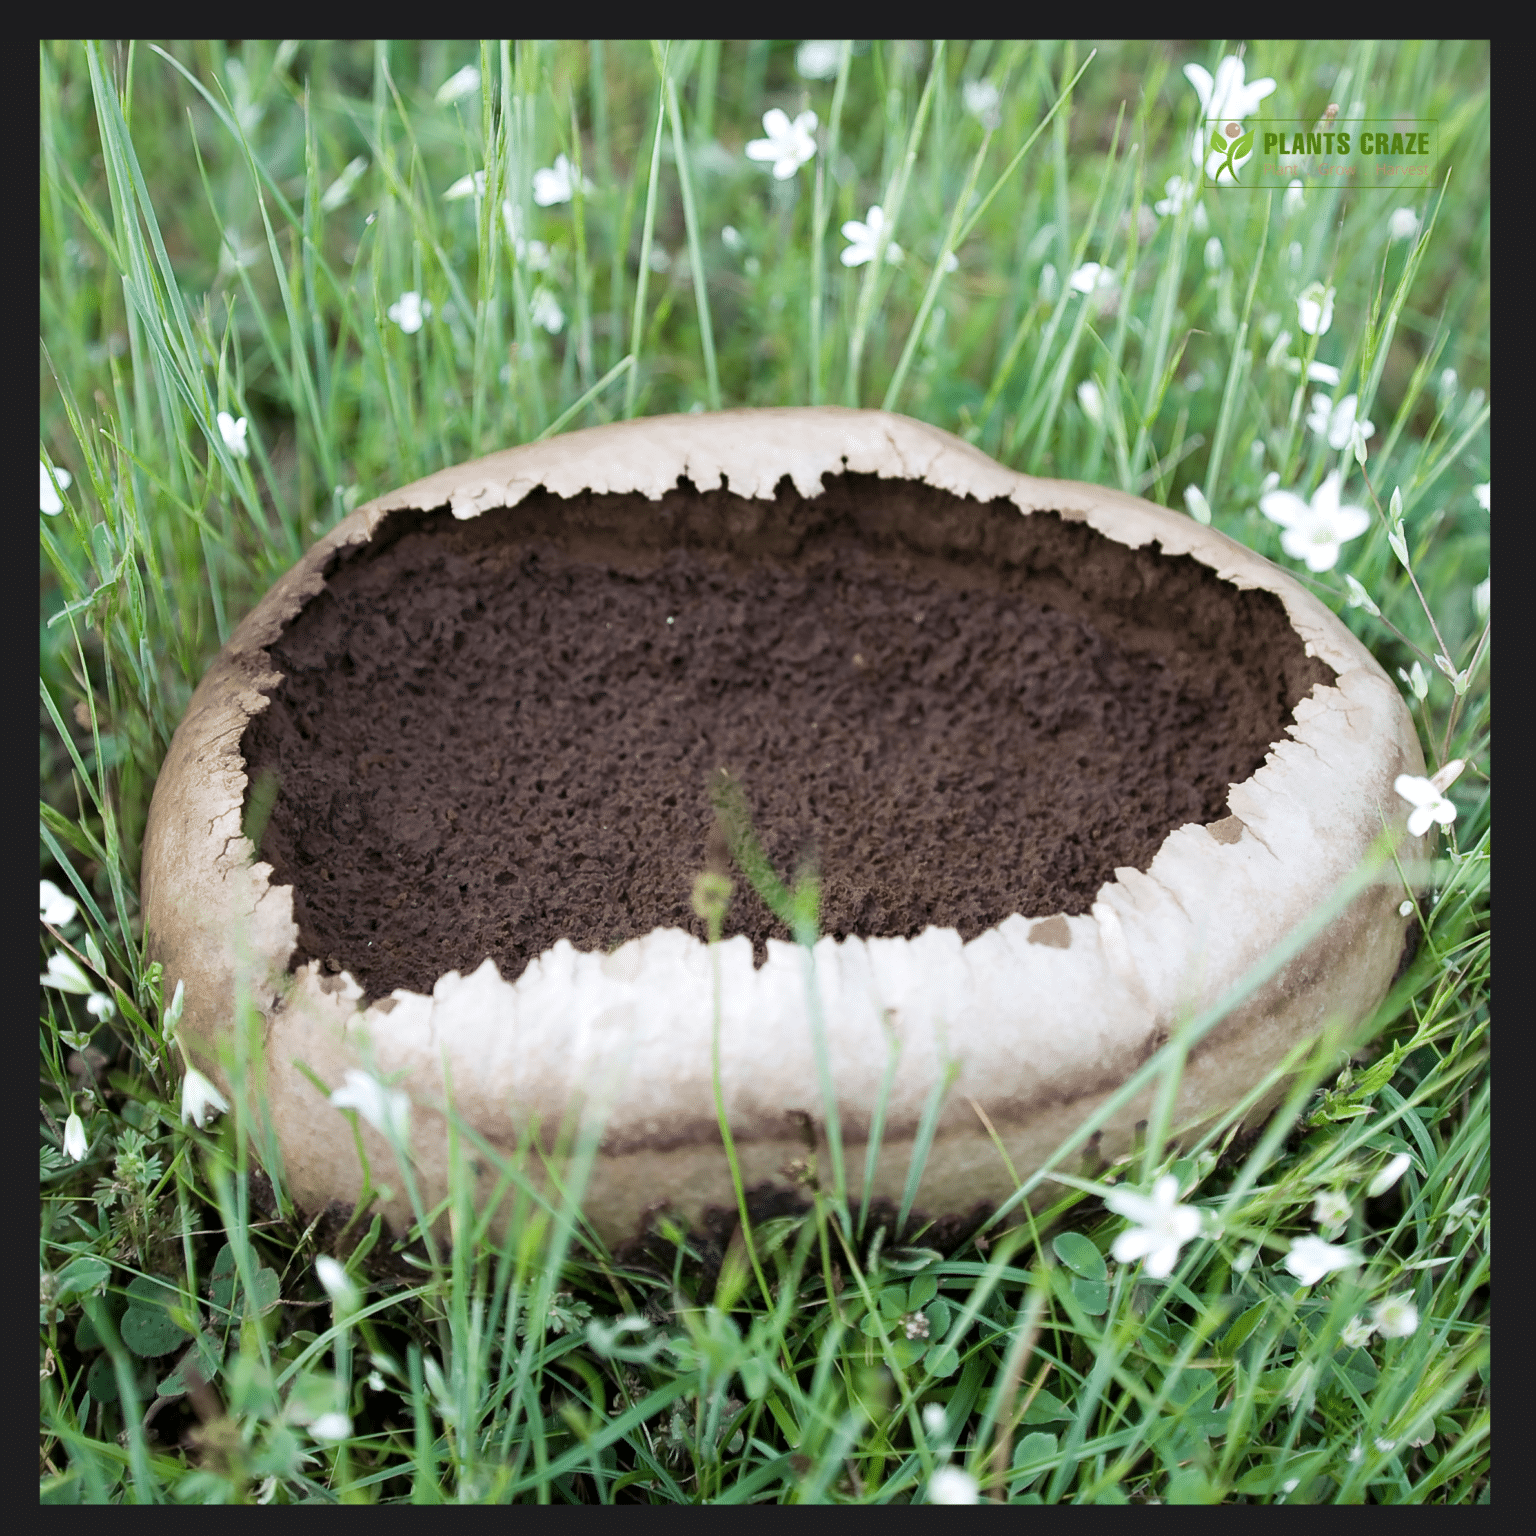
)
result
[(1045, 1017)]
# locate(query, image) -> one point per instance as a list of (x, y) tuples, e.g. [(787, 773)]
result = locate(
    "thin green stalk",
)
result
[(648, 230), (691, 221), (894, 196)]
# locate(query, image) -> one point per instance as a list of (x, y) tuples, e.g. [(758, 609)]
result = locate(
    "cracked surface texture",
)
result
[(497, 732)]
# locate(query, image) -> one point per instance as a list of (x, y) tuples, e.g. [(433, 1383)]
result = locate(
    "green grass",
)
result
[(205, 248)]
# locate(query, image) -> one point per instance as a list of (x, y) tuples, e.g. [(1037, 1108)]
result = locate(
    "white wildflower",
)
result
[(74, 1137), (788, 145), (53, 905), (544, 309), (1214, 255), (1050, 282), (1314, 309), (934, 1419), (100, 1006), (1396, 1317), (1417, 681), (1199, 507), (1404, 908), (375, 1382), (981, 101), (1294, 200), (1310, 1259), (731, 239), (1228, 96), (1314, 531), (233, 433), (65, 973), (461, 83), (1360, 598), (1482, 597), (1338, 422), (48, 499), (1355, 1454), (1384, 1446), (200, 1100), (817, 59), (471, 184), (864, 236), (1162, 1226), (340, 190), (1427, 797), (916, 1325), (386, 1109), (1399, 1164), (1178, 192), (1091, 275), (1447, 386), (557, 183), (409, 311), (1331, 1211), (1092, 402), (331, 1427), (1356, 1333), (338, 1283), (1403, 225), (1480, 491), (953, 1485)]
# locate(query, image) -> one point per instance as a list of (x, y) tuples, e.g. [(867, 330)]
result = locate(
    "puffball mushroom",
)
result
[(1040, 1014)]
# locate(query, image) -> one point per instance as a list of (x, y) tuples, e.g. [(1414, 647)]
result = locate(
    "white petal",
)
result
[(1297, 542), (776, 123), (1349, 523), (1134, 1243), (1200, 77), (1414, 790), (1160, 1264), (1133, 1206), (1322, 556), (1285, 508)]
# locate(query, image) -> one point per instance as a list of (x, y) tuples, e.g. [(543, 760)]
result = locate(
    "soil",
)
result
[(498, 732)]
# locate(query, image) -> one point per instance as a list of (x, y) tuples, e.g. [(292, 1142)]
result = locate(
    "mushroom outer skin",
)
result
[(1038, 1034)]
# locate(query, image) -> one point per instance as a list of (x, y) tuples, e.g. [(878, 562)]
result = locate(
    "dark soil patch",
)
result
[(495, 733)]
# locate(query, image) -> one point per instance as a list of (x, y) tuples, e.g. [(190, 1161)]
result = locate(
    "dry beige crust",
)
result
[(1040, 1020)]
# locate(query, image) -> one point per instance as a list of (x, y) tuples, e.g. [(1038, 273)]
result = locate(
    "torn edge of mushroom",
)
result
[(871, 446)]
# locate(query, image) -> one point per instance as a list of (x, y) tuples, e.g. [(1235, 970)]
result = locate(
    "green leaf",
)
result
[(149, 1331), (1092, 1296), (944, 1360), (921, 1292), (1218, 141), (1243, 145), (147, 1327), (1190, 1486), (1033, 1451), (938, 1314), (1239, 1331), (224, 1284), (754, 1380), (207, 1359), (101, 1380), (1079, 1255), (81, 1276), (1047, 1409)]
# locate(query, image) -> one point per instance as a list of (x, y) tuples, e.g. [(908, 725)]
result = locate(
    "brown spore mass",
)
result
[(494, 733)]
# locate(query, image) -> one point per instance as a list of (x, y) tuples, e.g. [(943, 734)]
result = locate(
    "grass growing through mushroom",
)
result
[(281, 277)]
